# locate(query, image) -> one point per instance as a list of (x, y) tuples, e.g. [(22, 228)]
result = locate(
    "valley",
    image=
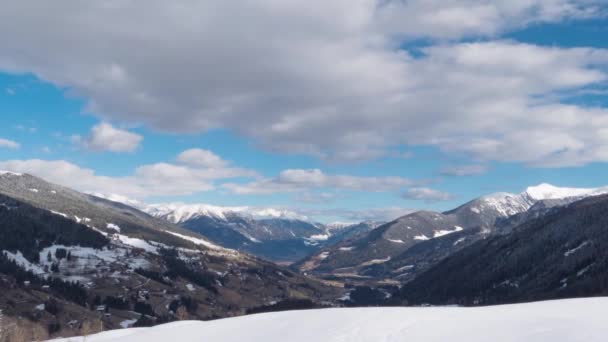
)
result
[(73, 263)]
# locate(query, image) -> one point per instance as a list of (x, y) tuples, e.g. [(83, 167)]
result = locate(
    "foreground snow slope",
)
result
[(564, 320)]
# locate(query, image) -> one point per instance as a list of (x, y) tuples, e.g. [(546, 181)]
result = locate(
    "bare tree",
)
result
[(181, 313)]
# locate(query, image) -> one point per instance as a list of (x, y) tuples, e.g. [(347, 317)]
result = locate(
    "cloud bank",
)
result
[(335, 80)]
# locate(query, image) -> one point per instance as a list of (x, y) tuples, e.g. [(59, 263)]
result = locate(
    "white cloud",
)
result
[(152, 180), (68, 174), (426, 194), (465, 170), (316, 197), (453, 19), (166, 180), (105, 137), (28, 129), (303, 179), (5, 143), (200, 157), (331, 82)]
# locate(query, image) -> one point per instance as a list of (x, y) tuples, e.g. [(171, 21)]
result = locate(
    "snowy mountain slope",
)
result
[(121, 256), (98, 213), (273, 234), (180, 212), (486, 209), (351, 258), (559, 255), (547, 191), (553, 321)]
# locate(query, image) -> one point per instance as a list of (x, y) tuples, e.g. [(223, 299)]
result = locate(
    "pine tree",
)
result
[(60, 253)]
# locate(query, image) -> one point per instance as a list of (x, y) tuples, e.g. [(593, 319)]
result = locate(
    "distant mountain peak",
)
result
[(546, 191), (339, 225), (507, 204), (10, 173), (180, 212)]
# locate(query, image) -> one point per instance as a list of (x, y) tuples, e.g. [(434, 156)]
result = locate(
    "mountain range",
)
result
[(72, 262), (398, 250), (277, 235), (69, 260), (559, 255)]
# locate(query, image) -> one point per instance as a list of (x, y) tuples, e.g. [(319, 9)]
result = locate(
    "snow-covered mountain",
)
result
[(337, 226), (560, 255), (374, 254), (180, 212), (575, 320), (272, 233), (507, 204), (72, 259)]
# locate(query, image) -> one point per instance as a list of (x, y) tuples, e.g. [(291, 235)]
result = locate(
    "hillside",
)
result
[(557, 321), (559, 255), (276, 235), (69, 261), (401, 249)]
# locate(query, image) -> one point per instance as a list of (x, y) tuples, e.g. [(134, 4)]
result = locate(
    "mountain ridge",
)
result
[(557, 255), (275, 234), (94, 261), (367, 254)]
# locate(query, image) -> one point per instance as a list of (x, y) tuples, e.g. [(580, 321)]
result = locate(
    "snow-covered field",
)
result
[(552, 321)]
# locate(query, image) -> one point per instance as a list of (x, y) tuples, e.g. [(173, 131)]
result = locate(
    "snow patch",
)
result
[(439, 233), (127, 323), (82, 219), (251, 238), (319, 237), (60, 214), (23, 262), (197, 241), (376, 261), (583, 271), (137, 243), (113, 227), (404, 268), (86, 259), (576, 249), (459, 241)]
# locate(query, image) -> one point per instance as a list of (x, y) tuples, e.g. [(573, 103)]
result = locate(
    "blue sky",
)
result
[(350, 118)]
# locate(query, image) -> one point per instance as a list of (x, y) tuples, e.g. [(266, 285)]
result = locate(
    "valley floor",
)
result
[(551, 321)]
